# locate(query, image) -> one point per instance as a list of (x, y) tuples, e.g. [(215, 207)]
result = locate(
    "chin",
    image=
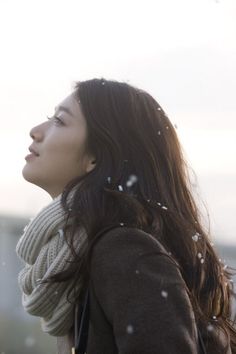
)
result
[(28, 175)]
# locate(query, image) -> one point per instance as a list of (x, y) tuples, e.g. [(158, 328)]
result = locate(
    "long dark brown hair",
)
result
[(141, 179)]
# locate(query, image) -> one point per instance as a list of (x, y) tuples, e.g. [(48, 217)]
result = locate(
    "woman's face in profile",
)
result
[(58, 149)]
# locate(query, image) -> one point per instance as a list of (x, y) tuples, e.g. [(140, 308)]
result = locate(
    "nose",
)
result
[(36, 133)]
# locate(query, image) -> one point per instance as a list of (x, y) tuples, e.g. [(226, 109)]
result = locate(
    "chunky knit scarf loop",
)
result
[(45, 252)]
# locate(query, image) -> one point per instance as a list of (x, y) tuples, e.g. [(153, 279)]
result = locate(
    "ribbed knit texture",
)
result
[(45, 252)]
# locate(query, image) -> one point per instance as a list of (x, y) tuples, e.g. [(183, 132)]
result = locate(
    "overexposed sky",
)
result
[(182, 52)]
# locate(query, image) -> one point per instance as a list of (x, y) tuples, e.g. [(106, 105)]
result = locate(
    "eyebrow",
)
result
[(64, 109)]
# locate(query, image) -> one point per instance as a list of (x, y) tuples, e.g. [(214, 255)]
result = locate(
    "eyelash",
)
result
[(56, 119)]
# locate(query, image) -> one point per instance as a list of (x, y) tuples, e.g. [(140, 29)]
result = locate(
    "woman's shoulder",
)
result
[(125, 249), (121, 239)]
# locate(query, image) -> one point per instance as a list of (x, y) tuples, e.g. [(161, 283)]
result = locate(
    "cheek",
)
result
[(66, 155)]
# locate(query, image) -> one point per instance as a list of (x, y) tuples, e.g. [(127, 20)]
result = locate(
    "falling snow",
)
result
[(195, 238), (199, 255), (164, 294), (120, 188), (130, 329), (29, 341), (210, 328), (132, 179), (121, 224), (109, 179), (159, 132), (61, 233), (164, 207)]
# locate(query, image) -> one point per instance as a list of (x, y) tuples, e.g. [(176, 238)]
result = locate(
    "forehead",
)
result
[(70, 105)]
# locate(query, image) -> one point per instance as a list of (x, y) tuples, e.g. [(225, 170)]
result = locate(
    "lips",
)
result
[(33, 151)]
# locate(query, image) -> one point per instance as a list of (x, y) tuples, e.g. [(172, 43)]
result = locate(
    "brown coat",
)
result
[(138, 301)]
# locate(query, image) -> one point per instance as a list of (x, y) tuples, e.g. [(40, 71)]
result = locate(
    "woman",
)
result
[(123, 223)]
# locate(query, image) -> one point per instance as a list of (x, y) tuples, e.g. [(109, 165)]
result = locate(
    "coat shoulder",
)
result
[(139, 287), (122, 240)]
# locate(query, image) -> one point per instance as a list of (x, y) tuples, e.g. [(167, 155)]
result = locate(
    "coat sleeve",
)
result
[(142, 294)]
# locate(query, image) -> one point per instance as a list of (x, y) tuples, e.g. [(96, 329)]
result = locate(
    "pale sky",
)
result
[(182, 52)]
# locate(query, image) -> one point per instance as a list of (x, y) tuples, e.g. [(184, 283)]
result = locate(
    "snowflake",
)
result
[(130, 329), (164, 294)]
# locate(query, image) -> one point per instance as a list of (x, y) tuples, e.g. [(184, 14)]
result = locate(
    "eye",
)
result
[(57, 120)]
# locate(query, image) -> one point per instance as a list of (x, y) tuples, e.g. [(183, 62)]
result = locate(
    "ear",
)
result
[(90, 165)]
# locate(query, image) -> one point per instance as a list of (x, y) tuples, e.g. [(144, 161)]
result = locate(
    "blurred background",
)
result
[(182, 52)]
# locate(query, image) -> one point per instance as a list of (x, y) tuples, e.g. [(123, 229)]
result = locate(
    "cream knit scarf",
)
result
[(45, 252)]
